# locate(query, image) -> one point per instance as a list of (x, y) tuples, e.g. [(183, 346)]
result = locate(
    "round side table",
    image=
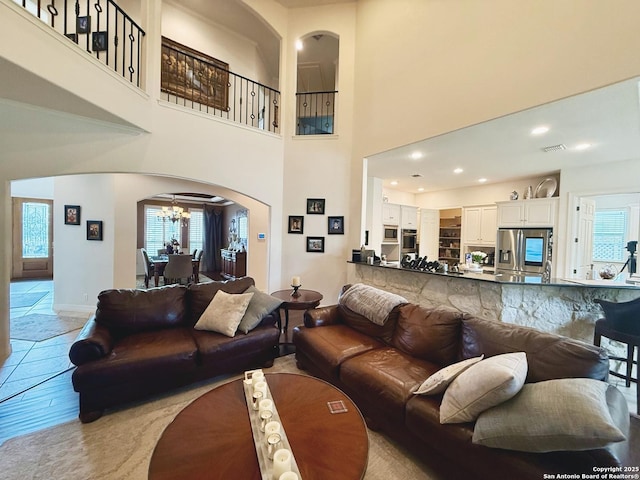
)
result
[(305, 300)]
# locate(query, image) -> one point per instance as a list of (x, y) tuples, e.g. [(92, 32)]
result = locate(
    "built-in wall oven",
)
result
[(409, 241)]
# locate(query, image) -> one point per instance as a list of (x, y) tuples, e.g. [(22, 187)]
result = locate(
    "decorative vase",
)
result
[(608, 272), (529, 193)]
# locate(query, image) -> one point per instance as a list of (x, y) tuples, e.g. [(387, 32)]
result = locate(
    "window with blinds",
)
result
[(158, 232), (609, 235), (196, 229)]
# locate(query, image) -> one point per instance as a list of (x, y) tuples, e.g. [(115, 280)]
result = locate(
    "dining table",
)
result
[(160, 262)]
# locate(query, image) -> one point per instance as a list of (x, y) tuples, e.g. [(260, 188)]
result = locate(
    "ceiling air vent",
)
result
[(416, 175), (554, 148)]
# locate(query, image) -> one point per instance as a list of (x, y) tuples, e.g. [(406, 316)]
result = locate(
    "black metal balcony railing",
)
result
[(102, 28), (204, 84), (315, 112)]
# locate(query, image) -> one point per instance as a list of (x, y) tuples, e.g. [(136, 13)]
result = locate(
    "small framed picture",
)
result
[(315, 206), (296, 224), (99, 41), (72, 36), (315, 244), (94, 229), (72, 214), (83, 24), (336, 226)]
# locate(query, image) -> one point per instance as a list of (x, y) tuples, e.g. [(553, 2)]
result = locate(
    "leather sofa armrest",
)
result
[(93, 342), (318, 317)]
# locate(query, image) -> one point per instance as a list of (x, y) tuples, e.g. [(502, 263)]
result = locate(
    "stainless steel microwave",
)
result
[(390, 233)]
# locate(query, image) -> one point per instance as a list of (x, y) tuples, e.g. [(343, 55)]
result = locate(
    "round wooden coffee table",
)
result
[(305, 300), (211, 438)]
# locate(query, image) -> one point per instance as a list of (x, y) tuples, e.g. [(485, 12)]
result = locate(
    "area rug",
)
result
[(37, 327), (19, 300), (120, 444)]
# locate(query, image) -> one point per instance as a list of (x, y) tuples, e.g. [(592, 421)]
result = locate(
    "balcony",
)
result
[(315, 113)]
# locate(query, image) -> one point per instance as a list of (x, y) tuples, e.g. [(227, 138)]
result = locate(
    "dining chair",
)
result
[(149, 267), (195, 251), (621, 323), (196, 266), (178, 268)]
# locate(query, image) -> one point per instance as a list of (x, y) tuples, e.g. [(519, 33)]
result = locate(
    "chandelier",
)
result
[(174, 213)]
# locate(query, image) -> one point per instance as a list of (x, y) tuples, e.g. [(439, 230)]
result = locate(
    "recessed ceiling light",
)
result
[(539, 130), (416, 155), (394, 182), (299, 45), (582, 146), (482, 180), (421, 189), (458, 170)]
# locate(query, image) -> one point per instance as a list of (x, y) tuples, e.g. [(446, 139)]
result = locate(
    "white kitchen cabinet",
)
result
[(390, 214), (409, 217), (479, 225), (535, 212)]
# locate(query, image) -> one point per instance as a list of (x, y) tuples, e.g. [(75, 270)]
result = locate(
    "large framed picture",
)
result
[(194, 76), (296, 224), (336, 226), (72, 214), (99, 41), (94, 230), (315, 244), (315, 206)]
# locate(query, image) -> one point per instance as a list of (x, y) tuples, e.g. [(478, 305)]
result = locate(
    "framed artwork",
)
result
[(315, 244), (315, 206), (72, 36), (336, 226), (72, 214), (194, 76), (296, 224), (99, 41), (83, 24), (94, 230)]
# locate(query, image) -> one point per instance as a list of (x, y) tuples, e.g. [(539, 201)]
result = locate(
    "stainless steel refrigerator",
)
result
[(524, 250)]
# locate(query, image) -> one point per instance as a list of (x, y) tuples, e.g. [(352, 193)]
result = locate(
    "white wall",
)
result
[(215, 40), (33, 188)]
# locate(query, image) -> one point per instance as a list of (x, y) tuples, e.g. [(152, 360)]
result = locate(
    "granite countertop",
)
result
[(489, 275)]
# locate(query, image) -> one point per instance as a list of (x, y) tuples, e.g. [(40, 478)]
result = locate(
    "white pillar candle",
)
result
[(288, 476), (257, 376), (281, 462), (295, 282), (272, 427), (260, 386), (265, 404)]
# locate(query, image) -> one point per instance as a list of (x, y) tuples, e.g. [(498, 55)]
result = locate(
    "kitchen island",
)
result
[(560, 306)]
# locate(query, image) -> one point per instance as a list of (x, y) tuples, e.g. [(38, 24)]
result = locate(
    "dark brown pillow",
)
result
[(127, 311), (431, 334)]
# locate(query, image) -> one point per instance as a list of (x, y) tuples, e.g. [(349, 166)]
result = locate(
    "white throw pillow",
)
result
[(224, 313), (563, 414), (483, 385), (260, 306), (439, 381)]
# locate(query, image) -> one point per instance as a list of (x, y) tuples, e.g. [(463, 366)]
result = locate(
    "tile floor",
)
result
[(35, 380)]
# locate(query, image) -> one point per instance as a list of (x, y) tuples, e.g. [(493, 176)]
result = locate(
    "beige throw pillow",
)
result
[(563, 414), (439, 381), (483, 385), (224, 313)]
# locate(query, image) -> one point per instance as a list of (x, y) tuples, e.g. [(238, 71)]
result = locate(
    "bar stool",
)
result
[(621, 324)]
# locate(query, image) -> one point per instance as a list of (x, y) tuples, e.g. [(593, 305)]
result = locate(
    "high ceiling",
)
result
[(503, 149), (310, 3)]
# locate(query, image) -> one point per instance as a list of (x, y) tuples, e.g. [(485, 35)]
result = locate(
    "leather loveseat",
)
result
[(142, 342), (380, 366)]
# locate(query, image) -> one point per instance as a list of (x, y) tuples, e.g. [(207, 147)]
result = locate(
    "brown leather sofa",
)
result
[(380, 366), (142, 342)]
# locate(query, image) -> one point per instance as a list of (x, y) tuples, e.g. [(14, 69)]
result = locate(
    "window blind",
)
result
[(158, 232), (196, 229), (609, 235)]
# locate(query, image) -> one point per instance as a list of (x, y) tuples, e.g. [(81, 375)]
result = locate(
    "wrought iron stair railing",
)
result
[(315, 113), (103, 29)]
